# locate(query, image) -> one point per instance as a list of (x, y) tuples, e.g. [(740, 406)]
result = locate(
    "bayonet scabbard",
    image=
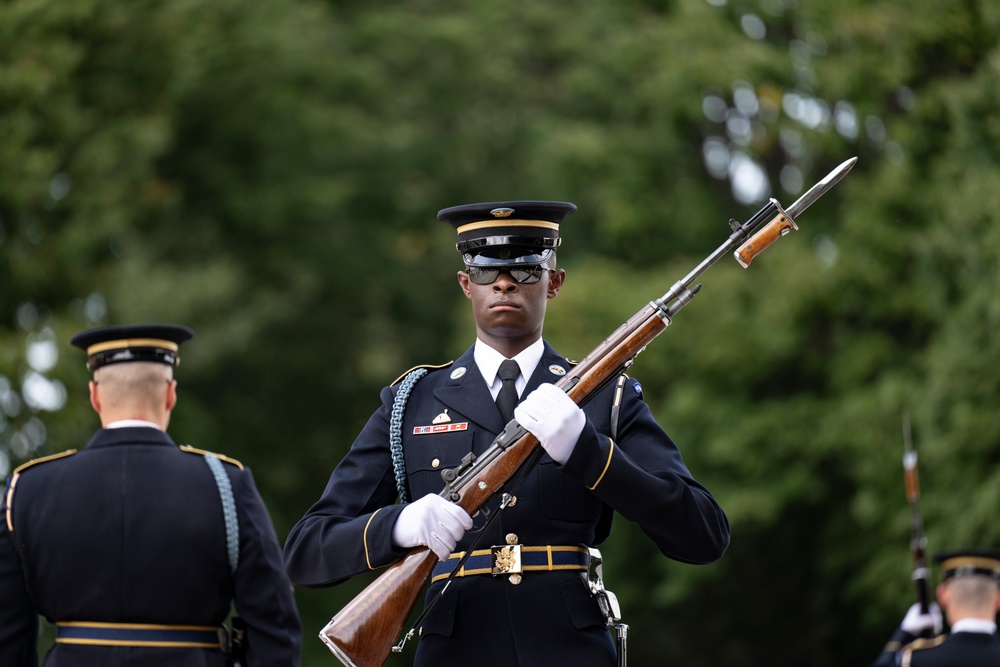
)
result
[(778, 226)]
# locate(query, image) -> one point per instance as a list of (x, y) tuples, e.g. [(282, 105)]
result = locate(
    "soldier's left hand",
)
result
[(916, 622), (550, 415)]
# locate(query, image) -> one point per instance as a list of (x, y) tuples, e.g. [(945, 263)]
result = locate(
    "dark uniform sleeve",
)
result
[(264, 597), (349, 529), (18, 618), (643, 477), (891, 654)]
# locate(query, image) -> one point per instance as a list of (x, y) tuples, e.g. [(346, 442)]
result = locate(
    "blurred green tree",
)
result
[(269, 174)]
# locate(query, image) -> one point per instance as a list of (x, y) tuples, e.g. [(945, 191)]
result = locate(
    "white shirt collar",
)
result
[(974, 625), (133, 423), (488, 360)]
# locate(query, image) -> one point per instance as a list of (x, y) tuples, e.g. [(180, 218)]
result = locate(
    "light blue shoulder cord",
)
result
[(228, 510), (396, 430)]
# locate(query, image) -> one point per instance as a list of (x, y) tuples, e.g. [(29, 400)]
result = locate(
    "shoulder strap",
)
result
[(429, 367), (8, 500), (188, 449), (228, 510), (396, 430)]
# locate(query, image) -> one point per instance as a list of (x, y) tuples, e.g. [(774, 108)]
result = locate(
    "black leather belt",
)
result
[(513, 559), (138, 634)]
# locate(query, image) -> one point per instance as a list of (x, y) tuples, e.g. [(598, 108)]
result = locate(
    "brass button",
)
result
[(511, 538), (515, 579), (435, 463)]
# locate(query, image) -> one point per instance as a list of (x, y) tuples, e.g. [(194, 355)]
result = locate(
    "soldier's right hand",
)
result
[(432, 522), (916, 623)]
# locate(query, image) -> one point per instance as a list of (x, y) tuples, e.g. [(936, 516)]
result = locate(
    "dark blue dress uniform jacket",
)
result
[(549, 618), (131, 530), (959, 649)]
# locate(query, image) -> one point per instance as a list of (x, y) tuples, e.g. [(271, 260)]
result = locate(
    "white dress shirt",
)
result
[(974, 625), (133, 423), (489, 361)]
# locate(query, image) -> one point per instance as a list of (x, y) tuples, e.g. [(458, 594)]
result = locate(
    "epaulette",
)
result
[(917, 645), (429, 367), (194, 450), (925, 642), (44, 459), (9, 500)]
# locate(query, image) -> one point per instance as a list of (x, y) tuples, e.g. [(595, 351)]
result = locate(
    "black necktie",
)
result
[(507, 398)]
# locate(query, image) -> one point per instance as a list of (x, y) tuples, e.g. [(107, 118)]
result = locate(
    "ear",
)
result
[(95, 400), (556, 279), (463, 281), (171, 395), (942, 595)]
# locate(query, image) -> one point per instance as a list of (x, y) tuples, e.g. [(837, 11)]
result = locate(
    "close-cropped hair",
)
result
[(133, 383), (973, 591)]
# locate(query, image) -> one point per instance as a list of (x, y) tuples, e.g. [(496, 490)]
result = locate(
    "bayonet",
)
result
[(784, 219)]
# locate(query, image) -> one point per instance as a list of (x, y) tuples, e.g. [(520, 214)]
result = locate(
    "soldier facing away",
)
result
[(969, 596), (135, 548)]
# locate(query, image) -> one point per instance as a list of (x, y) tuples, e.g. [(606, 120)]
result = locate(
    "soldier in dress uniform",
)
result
[(135, 548), (969, 595), (609, 456)]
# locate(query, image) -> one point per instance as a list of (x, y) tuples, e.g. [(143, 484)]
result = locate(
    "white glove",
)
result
[(432, 522), (916, 623), (549, 414)]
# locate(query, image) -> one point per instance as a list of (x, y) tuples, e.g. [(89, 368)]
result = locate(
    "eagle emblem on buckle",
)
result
[(507, 558)]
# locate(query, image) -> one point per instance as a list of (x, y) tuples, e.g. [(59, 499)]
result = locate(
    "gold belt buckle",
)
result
[(507, 559)]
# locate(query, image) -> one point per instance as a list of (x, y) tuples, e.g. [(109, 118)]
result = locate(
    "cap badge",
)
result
[(442, 418), (556, 369), (501, 212), (457, 373)]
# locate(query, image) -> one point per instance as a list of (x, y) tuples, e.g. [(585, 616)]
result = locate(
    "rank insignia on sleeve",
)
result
[(440, 428)]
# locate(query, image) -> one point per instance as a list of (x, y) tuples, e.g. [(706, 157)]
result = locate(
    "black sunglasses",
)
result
[(523, 275)]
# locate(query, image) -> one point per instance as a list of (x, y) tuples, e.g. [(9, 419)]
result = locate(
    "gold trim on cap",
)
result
[(132, 342), (506, 222), (979, 562)]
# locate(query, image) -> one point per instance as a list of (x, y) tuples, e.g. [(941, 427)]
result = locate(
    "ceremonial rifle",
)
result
[(362, 634), (918, 541)]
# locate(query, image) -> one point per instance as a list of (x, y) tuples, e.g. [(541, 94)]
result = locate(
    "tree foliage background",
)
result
[(269, 174)]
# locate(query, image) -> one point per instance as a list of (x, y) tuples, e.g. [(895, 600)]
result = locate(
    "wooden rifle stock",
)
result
[(362, 634), (918, 540)]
